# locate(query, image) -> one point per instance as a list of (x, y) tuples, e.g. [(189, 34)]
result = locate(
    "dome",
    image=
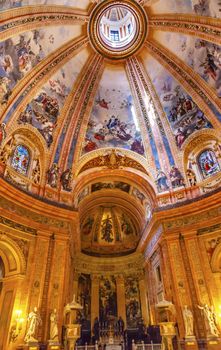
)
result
[(111, 108)]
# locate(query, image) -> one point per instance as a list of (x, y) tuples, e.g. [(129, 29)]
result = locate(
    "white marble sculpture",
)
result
[(54, 326), (210, 320), (188, 321), (34, 321)]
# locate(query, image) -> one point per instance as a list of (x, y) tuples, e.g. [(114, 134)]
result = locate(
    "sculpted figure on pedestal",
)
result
[(54, 326), (34, 321), (188, 321), (210, 320)]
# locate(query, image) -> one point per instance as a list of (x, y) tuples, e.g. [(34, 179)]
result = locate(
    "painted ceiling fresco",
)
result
[(149, 123), (113, 121), (108, 231)]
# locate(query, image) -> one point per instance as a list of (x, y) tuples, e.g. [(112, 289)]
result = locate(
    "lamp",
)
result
[(17, 326)]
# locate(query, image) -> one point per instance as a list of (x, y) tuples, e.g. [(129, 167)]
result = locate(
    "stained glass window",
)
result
[(20, 160), (208, 163)]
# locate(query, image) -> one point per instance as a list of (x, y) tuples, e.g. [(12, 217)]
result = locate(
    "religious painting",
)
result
[(87, 225), (210, 8), (44, 110), (21, 159), (122, 186), (84, 297), (202, 56), (107, 298), (106, 228), (138, 195), (21, 53), (113, 121), (9, 4), (184, 116), (132, 300), (208, 163), (108, 231), (126, 225), (211, 245), (83, 194)]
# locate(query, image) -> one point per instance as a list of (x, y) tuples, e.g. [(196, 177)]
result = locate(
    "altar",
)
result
[(113, 347)]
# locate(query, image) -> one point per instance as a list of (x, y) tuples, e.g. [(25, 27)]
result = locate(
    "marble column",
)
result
[(143, 300), (121, 305), (94, 298)]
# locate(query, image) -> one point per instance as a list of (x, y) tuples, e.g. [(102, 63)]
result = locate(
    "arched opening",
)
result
[(12, 269), (2, 274)]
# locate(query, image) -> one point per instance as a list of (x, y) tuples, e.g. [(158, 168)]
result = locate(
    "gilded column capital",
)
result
[(120, 279)]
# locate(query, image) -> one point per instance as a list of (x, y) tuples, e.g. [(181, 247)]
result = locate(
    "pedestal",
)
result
[(73, 332), (213, 343), (31, 346), (53, 345), (190, 343), (168, 332)]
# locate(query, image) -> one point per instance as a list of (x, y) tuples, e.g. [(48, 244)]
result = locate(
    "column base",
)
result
[(213, 343), (31, 346), (52, 345), (190, 343)]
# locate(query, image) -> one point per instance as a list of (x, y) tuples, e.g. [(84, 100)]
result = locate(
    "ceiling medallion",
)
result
[(117, 29)]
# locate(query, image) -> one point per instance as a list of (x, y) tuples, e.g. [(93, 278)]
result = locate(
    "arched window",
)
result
[(21, 159), (208, 163)]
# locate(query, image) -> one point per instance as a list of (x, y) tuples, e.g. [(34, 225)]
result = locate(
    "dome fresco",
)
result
[(74, 113)]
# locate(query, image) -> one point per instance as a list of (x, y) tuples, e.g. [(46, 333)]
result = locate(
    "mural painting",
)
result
[(202, 56), (8, 4), (113, 121), (211, 245), (210, 8), (183, 114), (108, 231), (132, 300), (122, 186), (208, 163), (84, 193), (84, 297), (19, 54), (44, 110), (107, 298)]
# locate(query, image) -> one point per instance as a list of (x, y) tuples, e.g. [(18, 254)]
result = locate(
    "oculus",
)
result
[(117, 29)]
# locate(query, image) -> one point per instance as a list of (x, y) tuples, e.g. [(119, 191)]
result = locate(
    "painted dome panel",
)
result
[(6, 4), (202, 56), (108, 231), (183, 114), (21, 53), (209, 8), (113, 121)]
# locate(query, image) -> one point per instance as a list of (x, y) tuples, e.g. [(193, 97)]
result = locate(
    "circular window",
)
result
[(117, 29)]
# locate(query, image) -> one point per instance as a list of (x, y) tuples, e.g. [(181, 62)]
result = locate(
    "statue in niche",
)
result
[(191, 177), (54, 326), (36, 171), (161, 181), (210, 320), (176, 177), (34, 321), (52, 175), (188, 321), (66, 180), (2, 132), (7, 151)]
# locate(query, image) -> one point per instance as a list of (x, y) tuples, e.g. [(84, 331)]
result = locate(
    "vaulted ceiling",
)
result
[(111, 131)]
